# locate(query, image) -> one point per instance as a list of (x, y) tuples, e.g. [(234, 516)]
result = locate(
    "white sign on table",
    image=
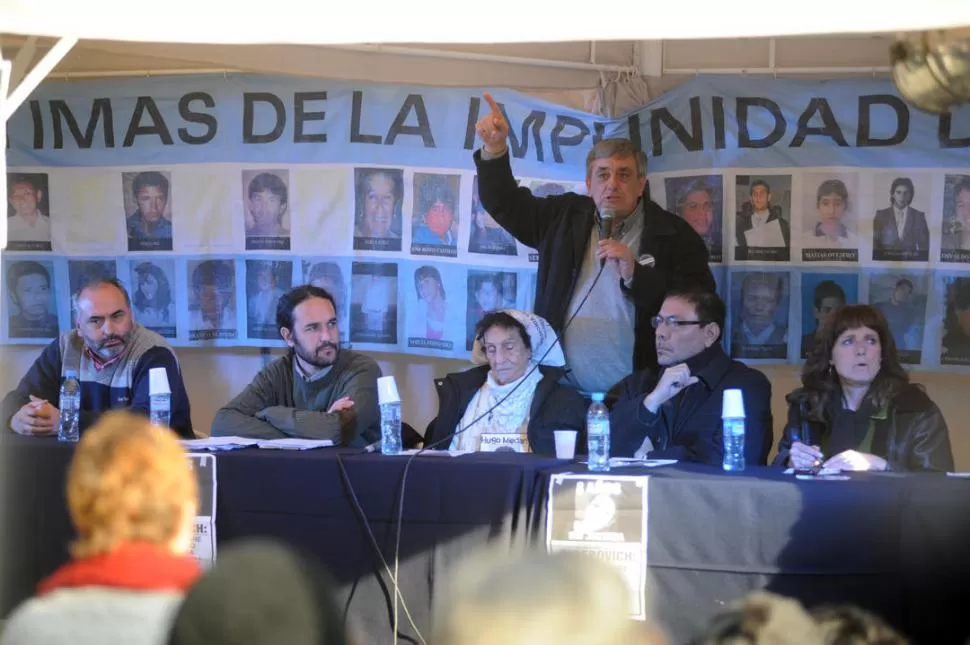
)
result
[(604, 516), (204, 543)]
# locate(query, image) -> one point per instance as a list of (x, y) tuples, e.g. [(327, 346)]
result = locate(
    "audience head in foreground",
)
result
[(537, 598), (260, 592), (848, 625), (761, 618), (132, 497), (857, 409)]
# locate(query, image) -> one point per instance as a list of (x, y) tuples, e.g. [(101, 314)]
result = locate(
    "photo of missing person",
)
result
[(955, 348), (955, 246), (266, 281), (148, 210), (28, 212), (373, 304), (759, 314), (31, 306), (828, 218), (487, 291), (899, 229), (212, 299), (699, 201), (822, 293), (434, 220), (762, 221), (266, 201), (80, 271), (152, 296), (485, 236), (329, 276), (378, 198), (902, 299), (427, 306)]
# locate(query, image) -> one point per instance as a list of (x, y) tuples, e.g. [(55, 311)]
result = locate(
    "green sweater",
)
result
[(281, 402)]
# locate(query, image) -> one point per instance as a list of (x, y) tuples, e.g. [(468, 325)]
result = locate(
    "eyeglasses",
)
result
[(670, 321)]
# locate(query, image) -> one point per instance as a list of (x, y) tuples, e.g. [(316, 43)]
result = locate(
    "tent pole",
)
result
[(25, 56), (34, 78), (444, 54), (736, 71)]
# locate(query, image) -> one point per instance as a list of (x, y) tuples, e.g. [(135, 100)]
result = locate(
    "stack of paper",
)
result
[(235, 443)]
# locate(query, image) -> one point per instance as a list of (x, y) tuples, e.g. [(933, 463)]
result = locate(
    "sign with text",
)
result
[(204, 543), (604, 516)]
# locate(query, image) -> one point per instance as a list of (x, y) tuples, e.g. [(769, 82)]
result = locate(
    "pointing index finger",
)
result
[(493, 105)]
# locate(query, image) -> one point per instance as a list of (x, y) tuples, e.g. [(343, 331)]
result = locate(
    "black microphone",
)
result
[(606, 229)]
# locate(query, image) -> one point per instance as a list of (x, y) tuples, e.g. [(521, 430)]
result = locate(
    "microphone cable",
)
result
[(393, 576)]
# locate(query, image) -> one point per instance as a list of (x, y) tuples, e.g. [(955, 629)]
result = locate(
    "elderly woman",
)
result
[(856, 409), (514, 397), (132, 498)]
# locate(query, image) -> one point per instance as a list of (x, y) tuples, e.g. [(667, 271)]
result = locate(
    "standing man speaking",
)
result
[(644, 252)]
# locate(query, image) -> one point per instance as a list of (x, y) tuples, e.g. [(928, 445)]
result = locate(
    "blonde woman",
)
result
[(132, 497)]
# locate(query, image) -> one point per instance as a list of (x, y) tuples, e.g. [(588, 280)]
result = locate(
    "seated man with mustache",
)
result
[(111, 354), (315, 391), (675, 411)]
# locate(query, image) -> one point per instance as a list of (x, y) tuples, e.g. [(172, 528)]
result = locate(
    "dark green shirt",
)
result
[(281, 402)]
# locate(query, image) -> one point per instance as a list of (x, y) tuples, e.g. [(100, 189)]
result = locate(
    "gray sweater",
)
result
[(281, 402), (93, 616)]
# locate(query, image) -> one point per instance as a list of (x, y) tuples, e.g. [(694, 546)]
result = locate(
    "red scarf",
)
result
[(138, 566)]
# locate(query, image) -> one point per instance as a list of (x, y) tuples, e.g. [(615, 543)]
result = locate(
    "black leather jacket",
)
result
[(918, 438)]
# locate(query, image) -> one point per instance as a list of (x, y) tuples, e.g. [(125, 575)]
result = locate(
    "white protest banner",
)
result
[(204, 543), (604, 516)]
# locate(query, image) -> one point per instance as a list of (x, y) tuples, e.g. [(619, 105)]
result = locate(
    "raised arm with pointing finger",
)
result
[(649, 252)]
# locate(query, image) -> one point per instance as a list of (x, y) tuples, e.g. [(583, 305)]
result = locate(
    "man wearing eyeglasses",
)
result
[(674, 412)]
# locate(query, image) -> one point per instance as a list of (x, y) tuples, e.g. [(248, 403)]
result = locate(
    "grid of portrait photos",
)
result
[(413, 259)]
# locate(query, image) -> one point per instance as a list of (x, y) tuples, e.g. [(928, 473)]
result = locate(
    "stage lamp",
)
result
[(931, 70)]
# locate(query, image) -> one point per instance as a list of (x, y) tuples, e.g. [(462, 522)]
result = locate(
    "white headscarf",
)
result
[(546, 348)]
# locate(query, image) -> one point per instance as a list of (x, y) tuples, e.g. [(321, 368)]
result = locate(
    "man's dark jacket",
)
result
[(554, 407), (559, 228), (688, 426)]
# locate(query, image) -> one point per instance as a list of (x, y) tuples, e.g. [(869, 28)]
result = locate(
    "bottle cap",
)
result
[(70, 373), (598, 396), (732, 406), (387, 390), (158, 381)]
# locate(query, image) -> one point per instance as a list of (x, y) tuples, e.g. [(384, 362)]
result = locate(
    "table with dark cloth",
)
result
[(899, 545), (896, 544), (452, 505)]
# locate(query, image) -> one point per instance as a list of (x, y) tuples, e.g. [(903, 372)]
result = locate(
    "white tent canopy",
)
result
[(607, 63), (446, 21)]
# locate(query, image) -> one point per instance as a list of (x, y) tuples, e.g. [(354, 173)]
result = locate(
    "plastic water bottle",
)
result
[(390, 402), (70, 408), (598, 434), (732, 419), (160, 409), (159, 397), (391, 428)]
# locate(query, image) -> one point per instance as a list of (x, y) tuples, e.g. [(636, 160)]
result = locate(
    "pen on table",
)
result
[(796, 435)]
